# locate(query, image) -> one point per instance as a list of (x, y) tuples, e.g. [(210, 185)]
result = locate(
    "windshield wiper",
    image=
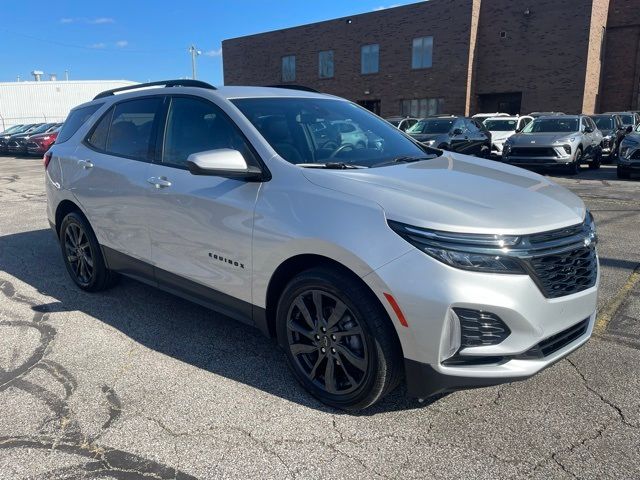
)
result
[(331, 165), (405, 159)]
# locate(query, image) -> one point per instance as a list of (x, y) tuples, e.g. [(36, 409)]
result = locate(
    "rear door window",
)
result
[(133, 128), (75, 120)]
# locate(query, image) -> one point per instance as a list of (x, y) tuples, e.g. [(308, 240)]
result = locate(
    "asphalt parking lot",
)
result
[(135, 383)]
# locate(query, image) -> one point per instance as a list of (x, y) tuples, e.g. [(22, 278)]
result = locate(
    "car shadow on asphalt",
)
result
[(169, 325)]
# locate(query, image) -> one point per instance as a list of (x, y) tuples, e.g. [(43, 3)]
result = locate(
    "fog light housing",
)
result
[(479, 329), (451, 337), (567, 148)]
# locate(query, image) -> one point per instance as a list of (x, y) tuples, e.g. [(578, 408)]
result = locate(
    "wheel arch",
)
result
[(297, 264), (64, 208)]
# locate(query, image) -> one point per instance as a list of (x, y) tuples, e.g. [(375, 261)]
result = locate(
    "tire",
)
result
[(485, 152), (574, 168), (77, 240), (364, 366), (596, 161), (623, 174)]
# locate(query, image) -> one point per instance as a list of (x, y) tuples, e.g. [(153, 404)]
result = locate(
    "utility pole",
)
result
[(194, 53)]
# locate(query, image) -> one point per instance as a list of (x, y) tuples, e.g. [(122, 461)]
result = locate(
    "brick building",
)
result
[(458, 56)]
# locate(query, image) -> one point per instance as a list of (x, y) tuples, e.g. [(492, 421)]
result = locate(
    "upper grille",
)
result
[(533, 152), (565, 273)]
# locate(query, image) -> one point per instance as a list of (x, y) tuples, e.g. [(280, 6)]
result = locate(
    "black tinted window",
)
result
[(195, 125), (130, 134), (98, 136), (75, 120)]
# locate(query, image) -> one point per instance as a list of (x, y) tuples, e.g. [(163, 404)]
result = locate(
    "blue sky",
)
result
[(142, 40)]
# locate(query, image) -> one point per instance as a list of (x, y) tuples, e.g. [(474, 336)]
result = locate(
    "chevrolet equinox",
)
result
[(371, 265)]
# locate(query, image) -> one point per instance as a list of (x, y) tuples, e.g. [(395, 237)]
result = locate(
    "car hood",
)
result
[(540, 138), (460, 193), (425, 137), (42, 135), (500, 135), (606, 132)]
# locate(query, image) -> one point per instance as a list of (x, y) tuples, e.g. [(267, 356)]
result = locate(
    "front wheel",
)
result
[(596, 161), (338, 339), (82, 255), (574, 168)]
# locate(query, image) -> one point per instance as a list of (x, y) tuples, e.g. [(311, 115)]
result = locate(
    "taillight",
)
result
[(46, 159)]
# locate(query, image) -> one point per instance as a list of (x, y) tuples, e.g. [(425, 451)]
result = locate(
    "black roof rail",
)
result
[(164, 83), (302, 88)]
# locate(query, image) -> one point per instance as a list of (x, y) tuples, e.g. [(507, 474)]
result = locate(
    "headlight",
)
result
[(478, 252)]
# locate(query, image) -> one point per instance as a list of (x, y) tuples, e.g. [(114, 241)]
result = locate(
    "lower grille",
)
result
[(533, 152), (556, 342), (636, 155), (565, 273)]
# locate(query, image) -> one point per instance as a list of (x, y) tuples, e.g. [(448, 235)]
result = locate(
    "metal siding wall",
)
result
[(26, 102)]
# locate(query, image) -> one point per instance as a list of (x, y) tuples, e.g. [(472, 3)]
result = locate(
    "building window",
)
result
[(422, 52), (325, 64), (422, 107), (369, 58), (289, 68)]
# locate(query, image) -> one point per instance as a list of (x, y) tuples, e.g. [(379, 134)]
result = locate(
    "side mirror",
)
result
[(223, 162), (519, 129), (457, 131), (629, 129), (588, 129)]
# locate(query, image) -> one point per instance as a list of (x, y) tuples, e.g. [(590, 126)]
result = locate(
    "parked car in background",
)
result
[(371, 267), (613, 131), (17, 144), (4, 139), (545, 114), (502, 128), (40, 143), (482, 116), (457, 134), (629, 154), (629, 119), (12, 130), (402, 123), (557, 141)]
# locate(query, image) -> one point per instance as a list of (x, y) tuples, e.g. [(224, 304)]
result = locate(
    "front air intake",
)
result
[(479, 329)]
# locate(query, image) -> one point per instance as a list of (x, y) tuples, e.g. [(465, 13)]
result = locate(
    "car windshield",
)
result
[(603, 123), (552, 125), (433, 125), (627, 119), (14, 129), (320, 131), (501, 125)]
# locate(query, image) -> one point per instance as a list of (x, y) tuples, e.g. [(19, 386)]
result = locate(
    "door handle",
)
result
[(86, 164), (159, 182)]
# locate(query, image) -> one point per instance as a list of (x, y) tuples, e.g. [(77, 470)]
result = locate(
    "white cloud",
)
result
[(122, 43), (90, 21), (98, 45), (383, 7), (101, 20), (214, 53)]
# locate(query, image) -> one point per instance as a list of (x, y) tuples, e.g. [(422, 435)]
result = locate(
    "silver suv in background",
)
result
[(556, 141), (368, 265)]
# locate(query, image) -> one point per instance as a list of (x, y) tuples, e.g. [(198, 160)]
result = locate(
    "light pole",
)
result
[(194, 53)]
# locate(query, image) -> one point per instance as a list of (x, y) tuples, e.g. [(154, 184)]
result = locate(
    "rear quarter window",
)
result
[(75, 120)]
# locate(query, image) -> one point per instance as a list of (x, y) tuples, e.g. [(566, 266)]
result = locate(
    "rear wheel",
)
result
[(596, 161), (624, 174), (338, 340), (82, 254)]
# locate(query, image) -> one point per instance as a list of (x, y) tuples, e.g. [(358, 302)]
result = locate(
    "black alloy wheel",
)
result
[(82, 254), (339, 341), (327, 342)]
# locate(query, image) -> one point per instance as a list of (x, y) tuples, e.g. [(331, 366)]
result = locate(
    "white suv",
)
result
[(369, 265)]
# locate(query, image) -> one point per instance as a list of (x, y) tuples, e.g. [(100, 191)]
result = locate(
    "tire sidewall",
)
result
[(317, 280), (96, 253)]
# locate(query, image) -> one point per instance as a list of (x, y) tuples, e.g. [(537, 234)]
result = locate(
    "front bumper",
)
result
[(629, 157), (427, 290), (17, 148)]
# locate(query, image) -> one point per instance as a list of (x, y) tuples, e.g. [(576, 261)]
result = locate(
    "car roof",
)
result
[(504, 118)]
